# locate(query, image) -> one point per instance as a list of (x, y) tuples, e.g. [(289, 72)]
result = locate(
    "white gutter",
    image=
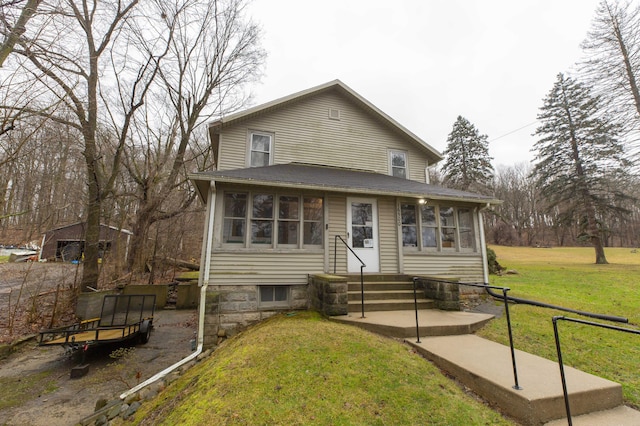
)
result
[(204, 283), (483, 244)]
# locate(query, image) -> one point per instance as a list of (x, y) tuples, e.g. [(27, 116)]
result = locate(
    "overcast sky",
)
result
[(424, 62)]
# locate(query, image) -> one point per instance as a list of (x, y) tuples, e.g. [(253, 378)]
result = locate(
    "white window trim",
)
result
[(390, 153), (271, 136)]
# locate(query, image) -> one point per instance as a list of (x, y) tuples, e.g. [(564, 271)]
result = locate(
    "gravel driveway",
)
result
[(56, 399)]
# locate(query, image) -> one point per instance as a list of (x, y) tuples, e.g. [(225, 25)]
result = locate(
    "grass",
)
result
[(4, 259), (14, 391), (569, 277), (302, 369)]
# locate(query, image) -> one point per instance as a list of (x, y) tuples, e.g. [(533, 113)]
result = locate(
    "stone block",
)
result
[(79, 371)]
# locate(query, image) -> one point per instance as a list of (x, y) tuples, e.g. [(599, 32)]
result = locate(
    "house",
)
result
[(298, 176), (66, 243)]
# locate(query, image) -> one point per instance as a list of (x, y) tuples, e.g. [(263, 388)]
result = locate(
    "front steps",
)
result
[(385, 293), (484, 366)]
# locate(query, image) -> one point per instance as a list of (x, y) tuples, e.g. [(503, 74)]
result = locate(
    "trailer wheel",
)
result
[(145, 331)]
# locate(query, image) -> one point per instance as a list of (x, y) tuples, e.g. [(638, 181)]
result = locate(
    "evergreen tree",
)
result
[(468, 165), (578, 157)]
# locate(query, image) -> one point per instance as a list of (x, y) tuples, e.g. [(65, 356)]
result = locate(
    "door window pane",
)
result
[(361, 225), (362, 236)]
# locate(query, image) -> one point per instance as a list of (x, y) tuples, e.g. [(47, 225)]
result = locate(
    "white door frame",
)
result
[(368, 248)]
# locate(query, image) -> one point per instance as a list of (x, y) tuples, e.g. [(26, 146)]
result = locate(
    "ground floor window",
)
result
[(274, 296), (273, 220), (437, 227)]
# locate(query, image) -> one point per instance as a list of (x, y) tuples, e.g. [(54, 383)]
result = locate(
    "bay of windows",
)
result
[(270, 220), (428, 227)]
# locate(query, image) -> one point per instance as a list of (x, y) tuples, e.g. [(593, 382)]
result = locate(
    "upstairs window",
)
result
[(398, 164), (260, 149)]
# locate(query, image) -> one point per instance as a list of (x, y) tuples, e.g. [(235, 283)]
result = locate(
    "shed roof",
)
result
[(334, 179), (102, 225), (335, 86)]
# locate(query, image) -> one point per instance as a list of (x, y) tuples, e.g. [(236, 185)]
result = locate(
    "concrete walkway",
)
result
[(486, 368)]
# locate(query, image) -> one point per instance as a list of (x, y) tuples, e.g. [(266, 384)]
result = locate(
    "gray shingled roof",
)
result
[(332, 179)]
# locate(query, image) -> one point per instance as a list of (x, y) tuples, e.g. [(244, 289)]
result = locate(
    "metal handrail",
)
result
[(522, 301), (516, 385), (555, 320), (362, 266)]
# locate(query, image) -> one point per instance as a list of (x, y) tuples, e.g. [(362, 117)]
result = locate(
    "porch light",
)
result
[(422, 201)]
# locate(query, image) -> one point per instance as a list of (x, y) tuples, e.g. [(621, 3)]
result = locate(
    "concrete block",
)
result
[(79, 371)]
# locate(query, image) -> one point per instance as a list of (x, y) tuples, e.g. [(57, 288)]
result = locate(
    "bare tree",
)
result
[(11, 31), (612, 64), (210, 61), (72, 57), (518, 218)]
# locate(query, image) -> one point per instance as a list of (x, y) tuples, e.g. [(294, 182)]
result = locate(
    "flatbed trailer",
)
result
[(123, 318)]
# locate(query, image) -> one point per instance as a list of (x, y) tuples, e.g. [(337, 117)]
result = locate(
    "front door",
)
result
[(362, 231)]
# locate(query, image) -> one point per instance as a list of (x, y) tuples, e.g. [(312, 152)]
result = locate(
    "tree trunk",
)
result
[(90, 270), (136, 260)]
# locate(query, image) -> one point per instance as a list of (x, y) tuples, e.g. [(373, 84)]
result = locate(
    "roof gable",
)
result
[(335, 86)]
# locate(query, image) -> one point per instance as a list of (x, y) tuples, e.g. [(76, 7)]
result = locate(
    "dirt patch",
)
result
[(39, 390)]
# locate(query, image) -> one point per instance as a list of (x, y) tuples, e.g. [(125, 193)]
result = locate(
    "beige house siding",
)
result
[(466, 268), (303, 132), (388, 235), (270, 268), (337, 221)]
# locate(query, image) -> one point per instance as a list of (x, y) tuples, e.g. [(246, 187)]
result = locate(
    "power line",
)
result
[(514, 131)]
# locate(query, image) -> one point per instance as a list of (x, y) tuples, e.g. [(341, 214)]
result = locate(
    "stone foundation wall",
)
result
[(446, 295), (230, 309), (328, 294)]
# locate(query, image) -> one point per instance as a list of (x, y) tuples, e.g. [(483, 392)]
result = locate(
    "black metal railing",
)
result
[(559, 351), (362, 266), (516, 385), (522, 301)]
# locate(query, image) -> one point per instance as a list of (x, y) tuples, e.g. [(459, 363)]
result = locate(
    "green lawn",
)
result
[(302, 369), (568, 277)]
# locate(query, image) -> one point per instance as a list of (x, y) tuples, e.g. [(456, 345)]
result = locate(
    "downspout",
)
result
[(203, 282), (483, 245)]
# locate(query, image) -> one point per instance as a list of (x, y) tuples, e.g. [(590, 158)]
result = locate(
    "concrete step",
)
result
[(382, 286), (390, 305), (486, 368), (619, 416), (375, 277), (384, 295), (431, 322)]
